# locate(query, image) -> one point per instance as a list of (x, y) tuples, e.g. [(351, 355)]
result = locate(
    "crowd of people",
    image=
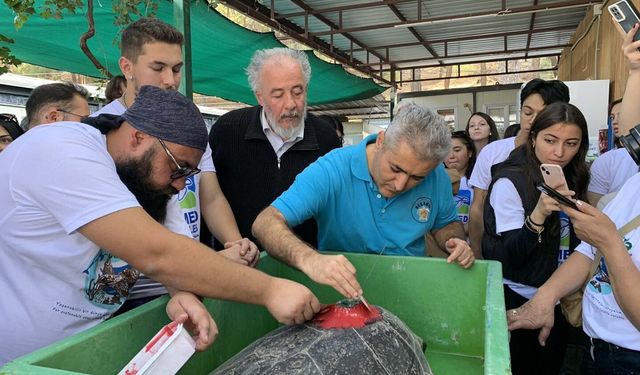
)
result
[(125, 205)]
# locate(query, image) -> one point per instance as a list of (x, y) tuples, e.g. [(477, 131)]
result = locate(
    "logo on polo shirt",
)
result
[(421, 209)]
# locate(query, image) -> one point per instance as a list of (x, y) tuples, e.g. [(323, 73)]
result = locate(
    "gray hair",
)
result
[(263, 56), (424, 130)]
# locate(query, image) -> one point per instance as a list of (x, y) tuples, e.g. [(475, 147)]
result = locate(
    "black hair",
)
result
[(551, 91), (463, 136), (60, 93), (612, 104), (10, 123), (511, 130)]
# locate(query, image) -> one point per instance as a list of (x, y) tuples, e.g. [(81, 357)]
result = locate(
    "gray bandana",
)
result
[(168, 115)]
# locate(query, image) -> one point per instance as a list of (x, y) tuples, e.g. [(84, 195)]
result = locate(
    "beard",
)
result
[(289, 132), (136, 176)]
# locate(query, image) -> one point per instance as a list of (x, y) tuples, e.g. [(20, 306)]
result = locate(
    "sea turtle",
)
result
[(377, 342)]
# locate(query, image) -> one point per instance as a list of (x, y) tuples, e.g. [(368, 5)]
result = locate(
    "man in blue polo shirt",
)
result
[(381, 196)]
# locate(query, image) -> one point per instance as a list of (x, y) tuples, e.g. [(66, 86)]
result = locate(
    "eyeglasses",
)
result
[(81, 117), (459, 133), (180, 172)]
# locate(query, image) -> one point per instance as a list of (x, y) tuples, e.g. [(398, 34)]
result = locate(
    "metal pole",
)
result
[(182, 22)]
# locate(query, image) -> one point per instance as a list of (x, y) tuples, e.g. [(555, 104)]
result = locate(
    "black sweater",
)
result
[(250, 175)]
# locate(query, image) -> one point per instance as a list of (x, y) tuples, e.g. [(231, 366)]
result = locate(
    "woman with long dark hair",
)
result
[(525, 229), (482, 130), (462, 159)]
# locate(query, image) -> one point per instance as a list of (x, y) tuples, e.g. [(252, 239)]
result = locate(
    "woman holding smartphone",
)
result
[(525, 230)]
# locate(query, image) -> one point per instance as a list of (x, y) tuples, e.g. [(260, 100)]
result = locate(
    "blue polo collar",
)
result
[(359, 166)]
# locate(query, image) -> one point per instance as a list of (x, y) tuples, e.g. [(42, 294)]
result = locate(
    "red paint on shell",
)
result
[(336, 316)]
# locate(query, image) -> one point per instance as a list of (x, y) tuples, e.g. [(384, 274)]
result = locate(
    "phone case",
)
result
[(626, 15), (545, 189), (553, 175)]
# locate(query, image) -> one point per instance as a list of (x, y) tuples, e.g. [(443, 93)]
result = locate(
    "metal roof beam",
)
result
[(345, 7), (413, 31), (474, 62), (458, 17), (467, 55), (473, 37), (332, 25), (531, 23), (262, 14), (484, 75)]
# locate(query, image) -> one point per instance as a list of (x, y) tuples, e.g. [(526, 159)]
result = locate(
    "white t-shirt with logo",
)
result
[(183, 209), (54, 281), (611, 170), (463, 200), (602, 316), (493, 153)]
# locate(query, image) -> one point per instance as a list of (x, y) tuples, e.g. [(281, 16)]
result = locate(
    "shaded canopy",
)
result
[(220, 52)]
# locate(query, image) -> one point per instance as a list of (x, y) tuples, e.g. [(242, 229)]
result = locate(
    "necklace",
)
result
[(123, 100)]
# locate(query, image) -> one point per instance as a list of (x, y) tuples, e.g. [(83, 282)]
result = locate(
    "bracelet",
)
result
[(529, 225), (534, 223)]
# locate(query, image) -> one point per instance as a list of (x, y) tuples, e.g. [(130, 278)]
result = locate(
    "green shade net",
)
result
[(221, 50)]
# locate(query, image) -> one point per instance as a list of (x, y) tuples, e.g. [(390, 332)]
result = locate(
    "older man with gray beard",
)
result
[(259, 151)]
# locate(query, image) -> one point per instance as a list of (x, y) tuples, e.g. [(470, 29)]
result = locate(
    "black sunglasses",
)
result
[(180, 171), (71, 113)]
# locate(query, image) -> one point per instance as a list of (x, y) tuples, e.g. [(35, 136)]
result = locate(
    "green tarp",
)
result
[(220, 52)]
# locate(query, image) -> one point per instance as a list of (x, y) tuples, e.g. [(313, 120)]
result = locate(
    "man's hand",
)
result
[(290, 302), (629, 47), (333, 270), (186, 308), (532, 315), (460, 252), (592, 226), (248, 251)]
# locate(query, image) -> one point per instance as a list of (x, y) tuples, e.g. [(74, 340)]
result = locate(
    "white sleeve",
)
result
[(586, 250), (206, 163), (507, 206), (73, 177), (481, 175), (174, 221), (601, 177)]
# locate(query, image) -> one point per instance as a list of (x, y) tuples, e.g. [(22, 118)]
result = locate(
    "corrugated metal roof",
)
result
[(375, 36), (414, 33)]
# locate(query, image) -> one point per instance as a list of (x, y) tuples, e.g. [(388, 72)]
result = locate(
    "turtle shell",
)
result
[(382, 346)]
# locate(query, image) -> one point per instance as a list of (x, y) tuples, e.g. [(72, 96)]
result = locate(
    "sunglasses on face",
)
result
[(180, 171), (81, 117)]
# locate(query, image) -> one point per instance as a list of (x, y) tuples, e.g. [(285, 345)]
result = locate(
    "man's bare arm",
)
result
[(215, 209), (184, 264), (271, 229)]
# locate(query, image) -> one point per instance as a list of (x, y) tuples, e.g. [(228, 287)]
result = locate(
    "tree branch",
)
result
[(88, 35)]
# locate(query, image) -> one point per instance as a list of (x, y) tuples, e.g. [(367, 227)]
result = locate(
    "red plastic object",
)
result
[(346, 314)]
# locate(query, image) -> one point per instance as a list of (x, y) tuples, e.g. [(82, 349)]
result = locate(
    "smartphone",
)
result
[(625, 14), (557, 196), (553, 176)]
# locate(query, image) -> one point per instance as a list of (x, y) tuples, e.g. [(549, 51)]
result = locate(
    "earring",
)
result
[(130, 77)]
